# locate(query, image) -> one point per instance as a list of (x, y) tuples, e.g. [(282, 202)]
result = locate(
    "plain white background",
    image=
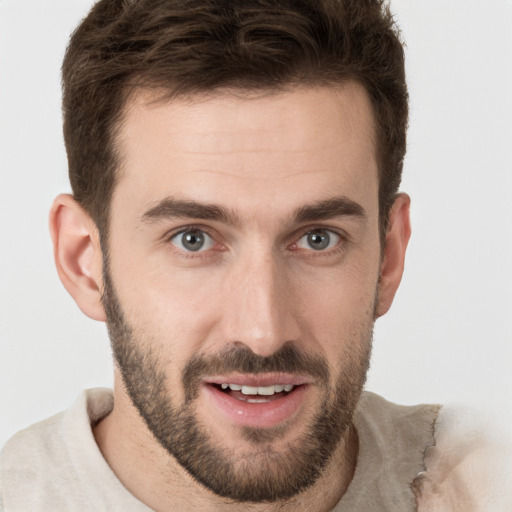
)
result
[(448, 337)]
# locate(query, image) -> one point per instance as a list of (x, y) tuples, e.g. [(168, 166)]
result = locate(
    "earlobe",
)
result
[(77, 254), (392, 266)]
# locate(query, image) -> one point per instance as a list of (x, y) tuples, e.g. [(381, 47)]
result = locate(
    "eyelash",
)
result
[(168, 238), (343, 239), (311, 253)]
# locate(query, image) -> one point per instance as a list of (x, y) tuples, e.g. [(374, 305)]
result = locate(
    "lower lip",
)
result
[(257, 415)]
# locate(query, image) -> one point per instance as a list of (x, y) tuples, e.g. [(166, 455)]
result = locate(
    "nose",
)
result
[(259, 310)]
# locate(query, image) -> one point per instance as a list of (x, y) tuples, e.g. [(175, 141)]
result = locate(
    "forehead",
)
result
[(241, 147)]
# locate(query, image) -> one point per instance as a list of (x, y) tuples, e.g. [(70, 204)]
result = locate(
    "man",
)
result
[(236, 221)]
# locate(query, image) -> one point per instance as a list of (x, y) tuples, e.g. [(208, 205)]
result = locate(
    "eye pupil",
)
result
[(318, 240), (193, 240)]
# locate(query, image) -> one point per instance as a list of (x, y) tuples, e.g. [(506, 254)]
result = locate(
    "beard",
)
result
[(266, 474)]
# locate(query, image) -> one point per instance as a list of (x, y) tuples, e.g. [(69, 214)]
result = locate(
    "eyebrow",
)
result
[(180, 208), (328, 209)]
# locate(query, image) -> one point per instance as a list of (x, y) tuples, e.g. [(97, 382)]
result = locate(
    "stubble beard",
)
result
[(267, 474)]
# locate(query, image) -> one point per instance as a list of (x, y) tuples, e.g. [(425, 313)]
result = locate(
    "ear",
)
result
[(77, 253), (392, 266)]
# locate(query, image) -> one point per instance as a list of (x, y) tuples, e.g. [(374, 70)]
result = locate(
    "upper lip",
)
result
[(258, 380)]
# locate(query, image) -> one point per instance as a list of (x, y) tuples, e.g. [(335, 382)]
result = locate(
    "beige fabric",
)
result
[(470, 467), (56, 465), (392, 443)]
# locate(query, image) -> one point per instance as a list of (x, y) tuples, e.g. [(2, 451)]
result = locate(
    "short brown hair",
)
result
[(193, 46)]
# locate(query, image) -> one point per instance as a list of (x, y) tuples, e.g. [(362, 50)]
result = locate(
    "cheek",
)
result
[(171, 317), (172, 304), (337, 307)]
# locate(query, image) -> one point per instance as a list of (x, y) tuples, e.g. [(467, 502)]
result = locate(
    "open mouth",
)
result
[(256, 394), (256, 401)]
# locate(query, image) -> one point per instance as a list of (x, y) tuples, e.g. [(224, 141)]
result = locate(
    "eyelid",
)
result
[(333, 241), (183, 229), (209, 242), (299, 233), (170, 235)]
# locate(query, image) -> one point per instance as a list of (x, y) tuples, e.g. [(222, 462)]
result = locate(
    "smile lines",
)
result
[(260, 390)]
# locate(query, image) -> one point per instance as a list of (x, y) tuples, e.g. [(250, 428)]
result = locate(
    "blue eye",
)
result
[(319, 240), (192, 240)]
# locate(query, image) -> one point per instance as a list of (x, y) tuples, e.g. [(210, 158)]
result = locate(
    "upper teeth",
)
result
[(260, 390)]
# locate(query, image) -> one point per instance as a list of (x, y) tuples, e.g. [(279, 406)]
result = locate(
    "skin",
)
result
[(258, 284)]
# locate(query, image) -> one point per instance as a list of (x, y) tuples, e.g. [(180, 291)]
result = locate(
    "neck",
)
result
[(154, 477)]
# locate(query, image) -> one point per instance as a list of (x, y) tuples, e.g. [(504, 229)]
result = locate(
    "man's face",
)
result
[(242, 279)]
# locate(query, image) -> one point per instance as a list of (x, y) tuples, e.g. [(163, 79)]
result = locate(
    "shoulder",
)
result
[(469, 468), (31, 462), (39, 463), (23, 452), (381, 410), (48, 441), (392, 442), (409, 427)]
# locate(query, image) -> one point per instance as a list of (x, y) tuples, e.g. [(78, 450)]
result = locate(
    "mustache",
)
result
[(241, 359)]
